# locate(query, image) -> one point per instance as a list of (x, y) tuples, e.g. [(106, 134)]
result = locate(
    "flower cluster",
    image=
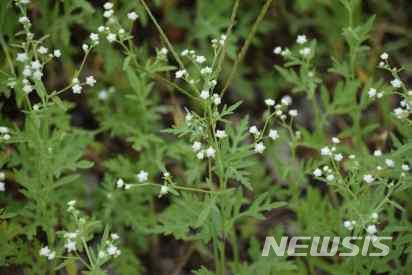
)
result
[(4, 133)]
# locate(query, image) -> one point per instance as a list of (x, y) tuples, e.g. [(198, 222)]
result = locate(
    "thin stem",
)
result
[(247, 44)]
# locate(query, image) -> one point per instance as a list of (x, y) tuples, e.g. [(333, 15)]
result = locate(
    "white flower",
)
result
[(77, 89), (305, 51), (71, 203), (120, 183), (113, 250), (42, 50), (196, 146), (335, 140), (21, 57), (27, 71), (273, 134), (374, 216), (57, 53), (28, 89), (6, 137), (348, 225), (200, 59), (108, 5), (200, 154), (184, 52), (100, 29), (114, 236), (317, 172), (142, 176), (221, 134), (259, 147), (325, 151), (36, 65), (132, 16), (216, 99), (377, 153), (352, 156), (254, 130), (368, 178), (210, 152), (206, 70), (286, 100), (384, 56), (330, 177), (24, 20), (188, 117), (85, 47), (338, 157), (371, 229), (396, 83), (301, 39), (46, 252), (204, 94), (293, 113), (37, 75), (389, 162), (269, 102), (90, 81), (103, 95), (181, 73), (101, 254), (70, 246), (372, 92), (405, 167), (111, 37), (163, 190), (277, 50), (2, 176), (2, 186)]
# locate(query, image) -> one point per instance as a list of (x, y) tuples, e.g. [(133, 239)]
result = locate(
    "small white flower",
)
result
[(188, 117), (348, 225), (28, 89), (221, 134), (103, 95), (112, 250), (374, 216), (114, 236), (90, 81), (100, 29), (108, 5), (335, 140), (57, 53), (24, 20), (142, 176), (338, 157), (2, 186), (200, 154), (206, 70), (210, 152), (21, 57), (352, 156), (200, 59), (330, 177), (379, 95), (70, 246), (305, 51), (196, 146), (2, 176), (286, 100), (269, 102), (384, 56), (27, 71), (85, 47), (277, 50), (405, 167), (163, 190), (181, 73), (368, 178), (111, 37), (317, 172), (71, 203), (101, 254), (301, 39), (377, 153), (254, 130), (371, 229), (389, 162), (372, 92), (36, 65), (204, 94), (396, 83), (6, 137), (259, 147), (77, 89), (293, 113), (94, 37), (132, 16), (325, 151), (184, 52), (37, 75), (216, 99), (42, 50), (120, 183), (273, 134)]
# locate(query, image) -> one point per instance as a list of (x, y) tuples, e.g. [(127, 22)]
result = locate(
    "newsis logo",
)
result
[(327, 246)]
